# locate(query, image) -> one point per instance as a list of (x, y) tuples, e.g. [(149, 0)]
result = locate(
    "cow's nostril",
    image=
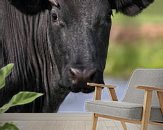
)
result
[(89, 74), (82, 75), (76, 73)]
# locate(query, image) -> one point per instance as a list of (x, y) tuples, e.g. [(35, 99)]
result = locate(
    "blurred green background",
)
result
[(136, 42)]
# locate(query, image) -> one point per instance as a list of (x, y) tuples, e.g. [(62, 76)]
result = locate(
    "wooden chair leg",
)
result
[(144, 126), (160, 98), (124, 125), (94, 123), (146, 110)]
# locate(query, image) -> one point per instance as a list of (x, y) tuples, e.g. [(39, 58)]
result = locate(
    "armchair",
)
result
[(143, 103)]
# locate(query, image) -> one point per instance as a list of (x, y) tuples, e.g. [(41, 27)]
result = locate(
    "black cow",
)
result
[(56, 46)]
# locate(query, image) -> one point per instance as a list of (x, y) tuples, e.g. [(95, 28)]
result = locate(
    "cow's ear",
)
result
[(30, 6), (130, 7)]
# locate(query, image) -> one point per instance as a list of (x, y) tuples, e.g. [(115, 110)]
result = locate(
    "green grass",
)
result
[(155, 8), (125, 57), (137, 20)]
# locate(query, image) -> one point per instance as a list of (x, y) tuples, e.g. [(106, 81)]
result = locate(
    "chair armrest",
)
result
[(148, 96), (98, 91), (148, 88), (101, 85)]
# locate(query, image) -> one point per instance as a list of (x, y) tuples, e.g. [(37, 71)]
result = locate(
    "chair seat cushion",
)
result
[(131, 111)]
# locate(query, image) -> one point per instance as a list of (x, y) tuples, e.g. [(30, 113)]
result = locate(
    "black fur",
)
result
[(45, 41), (44, 49), (31, 6)]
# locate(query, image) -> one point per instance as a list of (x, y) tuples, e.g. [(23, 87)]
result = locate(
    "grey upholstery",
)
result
[(146, 77), (132, 105), (131, 111)]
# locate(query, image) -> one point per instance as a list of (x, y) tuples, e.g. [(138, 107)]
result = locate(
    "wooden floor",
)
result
[(64, 121)]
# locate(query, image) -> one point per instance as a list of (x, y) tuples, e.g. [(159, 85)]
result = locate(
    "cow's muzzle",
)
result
[(76, 79)]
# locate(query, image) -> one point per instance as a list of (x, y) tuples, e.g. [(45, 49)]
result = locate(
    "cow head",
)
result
[(79, 33)]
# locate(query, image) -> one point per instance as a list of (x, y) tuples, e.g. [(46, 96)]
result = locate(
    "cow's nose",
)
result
[(81, 75)]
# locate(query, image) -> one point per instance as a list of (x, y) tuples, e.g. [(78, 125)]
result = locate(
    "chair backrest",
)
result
[(144, 77)]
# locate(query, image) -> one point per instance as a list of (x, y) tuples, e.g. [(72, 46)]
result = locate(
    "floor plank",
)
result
[(59, 121)]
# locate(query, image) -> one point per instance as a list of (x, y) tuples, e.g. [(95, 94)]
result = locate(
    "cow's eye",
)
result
[(54, 17)]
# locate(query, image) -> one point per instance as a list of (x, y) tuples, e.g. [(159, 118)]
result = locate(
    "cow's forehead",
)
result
[(86, 7), (84, 3)]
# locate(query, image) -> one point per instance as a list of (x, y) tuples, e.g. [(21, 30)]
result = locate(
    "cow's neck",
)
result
[(25, 44)]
